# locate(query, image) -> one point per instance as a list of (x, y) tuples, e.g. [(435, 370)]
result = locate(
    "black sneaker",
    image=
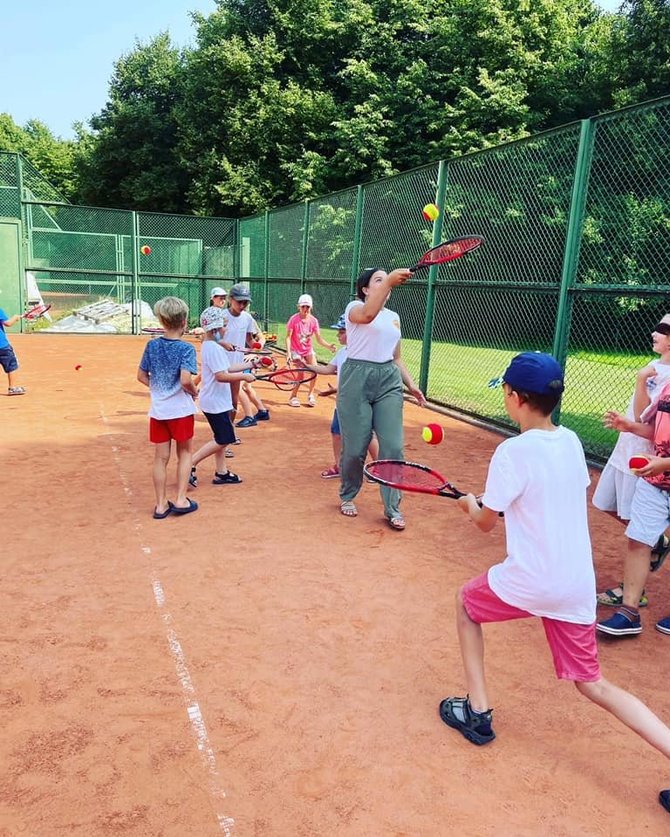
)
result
[(193, 479), (457, 713), (247, 421), (262, 415), (226, 479), (664, 799)]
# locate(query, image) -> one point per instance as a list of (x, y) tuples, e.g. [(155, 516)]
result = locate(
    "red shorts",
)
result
[(163, 430), (573, 646)]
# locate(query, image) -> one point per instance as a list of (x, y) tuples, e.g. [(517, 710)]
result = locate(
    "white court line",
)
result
[(196, 721)]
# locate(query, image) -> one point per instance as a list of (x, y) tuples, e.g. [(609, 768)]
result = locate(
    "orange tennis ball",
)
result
[(145, 250), (640, 460), (430, 212), (433, 434)]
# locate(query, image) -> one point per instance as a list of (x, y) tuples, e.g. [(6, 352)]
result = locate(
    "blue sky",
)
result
[(57, 56)]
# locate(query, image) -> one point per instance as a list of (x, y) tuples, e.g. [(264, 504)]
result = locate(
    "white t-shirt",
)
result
[(374, 341), (629, 444), (338, 359), (215, 395), (236, 332), (539, 480)]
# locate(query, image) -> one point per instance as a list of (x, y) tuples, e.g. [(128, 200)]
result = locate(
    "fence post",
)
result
[(432, 278), (266, 270), (572, 242), (356, 251), (305, 247), (135, 315)]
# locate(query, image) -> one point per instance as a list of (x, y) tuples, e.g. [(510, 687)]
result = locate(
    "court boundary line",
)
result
[(189, 694)]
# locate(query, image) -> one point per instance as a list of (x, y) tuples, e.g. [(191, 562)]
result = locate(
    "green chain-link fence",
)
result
[(576, 259)]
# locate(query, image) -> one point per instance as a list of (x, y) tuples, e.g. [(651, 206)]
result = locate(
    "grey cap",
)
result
[(240, 292)]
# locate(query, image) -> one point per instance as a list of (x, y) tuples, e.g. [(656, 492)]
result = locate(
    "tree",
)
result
[(52, 156), (131, 160)]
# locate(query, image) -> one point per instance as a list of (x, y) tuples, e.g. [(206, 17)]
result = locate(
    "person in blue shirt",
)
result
[(167, 368), (8, 359)]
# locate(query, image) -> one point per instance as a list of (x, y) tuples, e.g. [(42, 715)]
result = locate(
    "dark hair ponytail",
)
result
[(364, 280)]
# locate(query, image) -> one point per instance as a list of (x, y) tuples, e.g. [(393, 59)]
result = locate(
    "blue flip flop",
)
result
[(163, 515), (191, 508)]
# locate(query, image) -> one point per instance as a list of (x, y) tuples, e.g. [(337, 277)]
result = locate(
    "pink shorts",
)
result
[(573, 646), (163, 430)]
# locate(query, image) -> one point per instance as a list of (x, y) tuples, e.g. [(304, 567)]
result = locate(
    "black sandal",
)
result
[(226, 479), (475, 726)]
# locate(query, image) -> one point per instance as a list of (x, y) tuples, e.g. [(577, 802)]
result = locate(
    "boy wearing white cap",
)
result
[(215, 395), (300, 329)]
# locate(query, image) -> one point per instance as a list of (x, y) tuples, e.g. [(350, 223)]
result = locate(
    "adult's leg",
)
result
[(355, 416), (387, 424)]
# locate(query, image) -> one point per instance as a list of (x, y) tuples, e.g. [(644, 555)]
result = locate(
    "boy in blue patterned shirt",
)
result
[(167, 368)]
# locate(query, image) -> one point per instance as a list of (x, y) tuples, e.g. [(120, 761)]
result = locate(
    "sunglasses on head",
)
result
[(662, 328)]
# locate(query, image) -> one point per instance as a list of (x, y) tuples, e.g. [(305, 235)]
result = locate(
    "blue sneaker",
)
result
[(664, 799), (625, 622), (262, 415), (663, 625), (247, 421)]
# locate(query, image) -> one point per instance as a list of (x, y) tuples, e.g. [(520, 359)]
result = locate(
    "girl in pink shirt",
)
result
[(300, 329)]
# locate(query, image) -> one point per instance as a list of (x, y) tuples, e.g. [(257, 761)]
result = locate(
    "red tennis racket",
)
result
[(411, 476), (36, 312), (448, 251), (288, 377)]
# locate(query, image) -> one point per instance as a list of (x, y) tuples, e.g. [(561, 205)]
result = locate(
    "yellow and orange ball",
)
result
[(432, 434), (430, 212)]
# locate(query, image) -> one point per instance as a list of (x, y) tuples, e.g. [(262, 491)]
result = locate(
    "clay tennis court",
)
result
[(266, 666)]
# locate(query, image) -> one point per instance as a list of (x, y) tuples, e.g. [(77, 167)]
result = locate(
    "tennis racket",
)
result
[(448, 251), (288, 377), (410, 476), (36, 312)]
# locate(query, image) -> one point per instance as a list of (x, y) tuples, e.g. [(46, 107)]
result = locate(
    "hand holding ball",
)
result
[(433, 434), (430, 212), (640, 460), (145, 250)]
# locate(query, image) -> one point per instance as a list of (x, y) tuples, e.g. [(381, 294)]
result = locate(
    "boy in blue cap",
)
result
[(539, 480)]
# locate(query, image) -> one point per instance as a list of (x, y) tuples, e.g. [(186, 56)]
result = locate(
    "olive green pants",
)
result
[(369, 398)]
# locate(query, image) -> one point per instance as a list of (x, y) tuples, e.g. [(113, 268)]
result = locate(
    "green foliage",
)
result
[(131, 161), (54, 157)]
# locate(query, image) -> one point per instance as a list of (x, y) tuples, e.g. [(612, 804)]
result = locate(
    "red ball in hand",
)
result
[(640, 460)]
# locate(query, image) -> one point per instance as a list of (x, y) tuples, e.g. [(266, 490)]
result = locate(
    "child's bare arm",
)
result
[(324, 343), (321, 368), (483, 517), (230, 376), (143, 377), (641, 398), (616, 421), (10, 321), (187, 384), (656, 465)]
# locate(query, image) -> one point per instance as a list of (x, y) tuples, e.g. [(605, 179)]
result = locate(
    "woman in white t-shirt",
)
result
[(370, 388), (616, 486)]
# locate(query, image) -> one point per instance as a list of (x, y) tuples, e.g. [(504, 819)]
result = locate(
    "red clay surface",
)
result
[(266, 666)]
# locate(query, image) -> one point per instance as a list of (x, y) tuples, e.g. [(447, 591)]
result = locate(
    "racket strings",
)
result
[(405, 474), (453, 249)]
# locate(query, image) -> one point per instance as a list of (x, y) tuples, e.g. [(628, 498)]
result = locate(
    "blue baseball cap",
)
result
[(341, 324), (535, 372)]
